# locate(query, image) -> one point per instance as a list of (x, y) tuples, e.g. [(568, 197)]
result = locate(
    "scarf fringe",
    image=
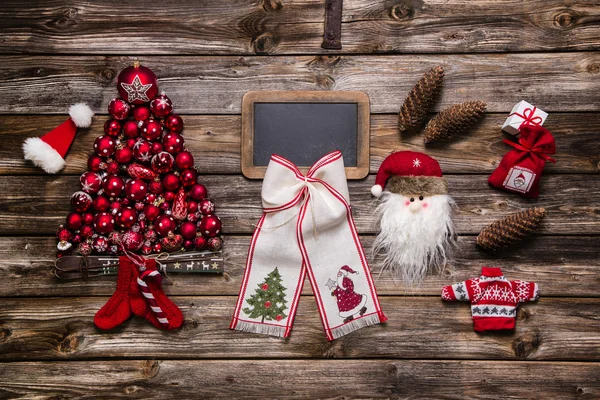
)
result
[(257, 327), (355, 325)]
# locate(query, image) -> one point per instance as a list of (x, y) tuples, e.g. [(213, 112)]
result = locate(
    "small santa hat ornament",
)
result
[(48, 152), (410, 172)]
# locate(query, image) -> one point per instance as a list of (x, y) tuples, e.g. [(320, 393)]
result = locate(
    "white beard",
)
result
[(413, 244)]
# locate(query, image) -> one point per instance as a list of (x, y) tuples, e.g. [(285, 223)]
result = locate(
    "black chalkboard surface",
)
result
[(303, 127)]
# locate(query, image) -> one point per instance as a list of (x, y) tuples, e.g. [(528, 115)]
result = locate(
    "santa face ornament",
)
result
[(414, 216)]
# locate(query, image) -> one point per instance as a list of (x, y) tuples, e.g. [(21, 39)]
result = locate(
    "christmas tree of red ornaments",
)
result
[(141, 190)]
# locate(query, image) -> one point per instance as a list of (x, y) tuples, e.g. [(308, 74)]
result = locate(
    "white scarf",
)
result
[(306, 226)]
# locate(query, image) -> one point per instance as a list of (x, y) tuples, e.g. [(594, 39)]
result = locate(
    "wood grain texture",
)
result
[(216, 84), (215, 142), (571, 202), (301, 379), (296, 26), (418, 327), (561, 265)]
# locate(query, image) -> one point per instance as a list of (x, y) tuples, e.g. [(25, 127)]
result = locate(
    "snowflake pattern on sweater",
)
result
[(493, 298)]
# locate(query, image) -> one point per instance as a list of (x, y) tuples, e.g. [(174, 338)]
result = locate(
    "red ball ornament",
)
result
[(278, 318), (188, 244), (76, 239), (188, 230), (95, 163), (141, 113), (210, 225), (136, 189), (105, 146), (172, 242), (119, 109), (192, 207), (197, 192), (84, 248), (112, 167), (127, 217), (193, 217), (137, 84), (157, 248), (165, 206), (184, 160), (151, 129), (155, 187), (170, 182), (206, 207), (174, 123), (162, 162), (188, 177), (81, 201), (114, 237), (150, 235), (265, 287), (86, 231), (215, 243), (173, 142), (100, 244), (124, 155), (146, 249), (169, 196), (139, 206), (104, 222), (131, 129), (112, 127), (101, 203), (151, 212), (131, 142), (74, 221), (161, 106), (164, 224), (115, 206), (156, 147), (200, 242), (150, 198), (131, 240), (91, 182), (268, 304), (142, 150), (88, 218), (113, 185)]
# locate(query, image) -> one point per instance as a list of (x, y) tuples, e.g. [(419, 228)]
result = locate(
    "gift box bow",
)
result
[(535, 140), (529, 117)]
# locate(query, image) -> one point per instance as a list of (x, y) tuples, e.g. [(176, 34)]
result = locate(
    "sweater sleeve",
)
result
[(525, 291), (457, 292)]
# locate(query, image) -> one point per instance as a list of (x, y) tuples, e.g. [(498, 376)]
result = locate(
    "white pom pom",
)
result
[(81, 114), (376, 190)]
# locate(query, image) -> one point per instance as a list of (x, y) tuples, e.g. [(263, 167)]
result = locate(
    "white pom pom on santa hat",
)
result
[(376, 190), (48, 152)]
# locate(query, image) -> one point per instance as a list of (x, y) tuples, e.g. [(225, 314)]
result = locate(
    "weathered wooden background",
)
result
[(207, 54)]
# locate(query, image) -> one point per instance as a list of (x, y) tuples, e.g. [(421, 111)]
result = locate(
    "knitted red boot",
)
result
[(150, 302), (117, 309)]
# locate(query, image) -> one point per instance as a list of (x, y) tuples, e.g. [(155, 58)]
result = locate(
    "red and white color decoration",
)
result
[(141, 188), (521, 169), (523, 114), (416, 230), (494, 299), (48, 152), (307, 229)]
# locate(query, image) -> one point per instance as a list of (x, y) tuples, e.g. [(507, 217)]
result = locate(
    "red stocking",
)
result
[(117, 310)]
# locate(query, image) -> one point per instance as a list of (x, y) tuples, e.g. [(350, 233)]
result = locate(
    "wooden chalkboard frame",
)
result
[(360, 171)]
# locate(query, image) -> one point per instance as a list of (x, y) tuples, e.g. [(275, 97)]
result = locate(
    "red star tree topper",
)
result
[(141, 190)]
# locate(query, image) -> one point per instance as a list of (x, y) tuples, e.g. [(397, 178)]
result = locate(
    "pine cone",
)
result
[(513, 228), (420, 99), (453, 120)]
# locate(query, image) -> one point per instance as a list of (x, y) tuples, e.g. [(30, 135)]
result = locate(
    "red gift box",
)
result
[(521, 169)]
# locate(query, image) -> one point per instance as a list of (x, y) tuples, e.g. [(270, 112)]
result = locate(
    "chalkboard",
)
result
[(303, 127)]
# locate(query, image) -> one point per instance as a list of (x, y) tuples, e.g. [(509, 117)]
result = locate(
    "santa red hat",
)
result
[(48, 152), (348, 269), (410, 173)]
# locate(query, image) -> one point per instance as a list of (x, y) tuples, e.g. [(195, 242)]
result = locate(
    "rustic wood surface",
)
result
[(207, 55)]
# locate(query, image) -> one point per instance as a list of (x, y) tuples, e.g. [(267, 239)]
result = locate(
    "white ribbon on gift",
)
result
[(318, 246)]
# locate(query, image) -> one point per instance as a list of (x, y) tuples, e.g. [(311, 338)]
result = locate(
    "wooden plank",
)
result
[(296, 26), (561, 265), (569, 199), (216, 84), (418, 327), (215, 142), (300, 379)]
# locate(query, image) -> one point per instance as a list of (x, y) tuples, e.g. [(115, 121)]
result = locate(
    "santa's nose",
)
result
[(415, 206)]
